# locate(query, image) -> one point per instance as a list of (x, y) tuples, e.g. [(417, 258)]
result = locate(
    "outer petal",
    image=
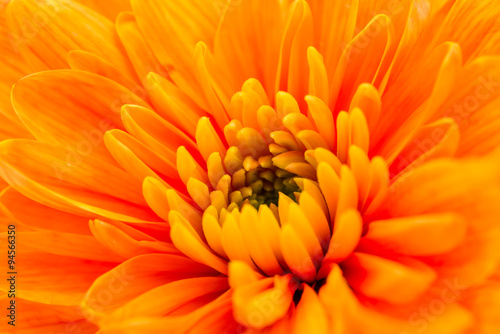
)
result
[(41, 217), (13, 68), (48, 180), (172, 29), (35, 318), (484, 303), (212, 318), (56, 106), (311, 314), (174, 295), (109, 8), (382, 279), (66, 244), (248, 39), (44, 32), (470, 188), (54, 279), (142, 58), (135, 277)]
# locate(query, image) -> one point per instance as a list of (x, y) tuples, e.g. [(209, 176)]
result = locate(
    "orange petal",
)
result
[(216, 93), (477, 30), (242, 41), (54, 279), (361, 63), (110, 8), (367, 98), (296, 255), (126, 246), (56, 168), (260, 304), (161, 136), (260, 251), (346, 234), (318, 77), (33, 318), (293, 74), (66, 244), (382, 279), (233, 242), (82, 130), (189, 243), (212, 318), (483, 302), (315, 216), (443, 65), (323, 119), (136, 158), (436, 140), (311, 315), (241, 274), (468, 188), (180, 292), (208, 140), (305, 231), (87, 61), (181, 31), (134, 277), (41, 217), (11, 128), (52, 182), (329, 183), (172, 103), (417, 235), (479, 133), (340, 302), (139, 53), (14, 68), (62, 27), (333, 38)]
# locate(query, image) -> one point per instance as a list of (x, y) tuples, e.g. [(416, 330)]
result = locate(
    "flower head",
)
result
[(254, 166)]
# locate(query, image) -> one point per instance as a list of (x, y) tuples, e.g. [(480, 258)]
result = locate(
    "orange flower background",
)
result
[(252, 166)]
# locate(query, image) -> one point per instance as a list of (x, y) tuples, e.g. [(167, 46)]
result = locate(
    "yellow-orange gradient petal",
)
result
[(35, 318), (251, 166)]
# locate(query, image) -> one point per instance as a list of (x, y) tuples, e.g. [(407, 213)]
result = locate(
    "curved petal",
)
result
[(383, 279), (247, 41), (174, 295), (142, 58), (54, 279), (109, 8), (66, 244), (39, 99), (416, 235), (87, 61), (46, 31), (116, 238), (470, 188), (41, 217), (262, 303), (33, 318), (84, 188), (172, 29), (135, 277), (51, 165), (311, 314)]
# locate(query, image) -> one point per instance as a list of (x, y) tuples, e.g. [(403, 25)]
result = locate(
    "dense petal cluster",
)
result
[(252, 166)]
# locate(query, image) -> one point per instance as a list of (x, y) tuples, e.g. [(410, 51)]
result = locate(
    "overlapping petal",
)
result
[(253, 166)]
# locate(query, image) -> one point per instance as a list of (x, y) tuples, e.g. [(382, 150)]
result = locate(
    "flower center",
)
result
[(283, 194), (282, 200), (260, 182)]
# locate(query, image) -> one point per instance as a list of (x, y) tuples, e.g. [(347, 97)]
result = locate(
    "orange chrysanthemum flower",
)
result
[(251, 166)]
